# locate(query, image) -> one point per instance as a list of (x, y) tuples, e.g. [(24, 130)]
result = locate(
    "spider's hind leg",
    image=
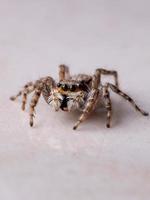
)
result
[(63, 72), (126, 97), (13, 98), (100, 71), (27, 89), (108, 105)]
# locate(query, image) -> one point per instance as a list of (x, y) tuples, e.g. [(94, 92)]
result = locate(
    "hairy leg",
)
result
[(126, 97), (108, 106), (27, 89), (13, 98), (99, 72), (63, 72), (43, 85), (34, 102), (90, 106)]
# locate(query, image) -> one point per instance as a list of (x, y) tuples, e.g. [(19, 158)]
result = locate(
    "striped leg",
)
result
[(43, 85), (27, 89), (13, 98), (90, 106), (63, 72), (34, 102), (108, 105), (126, 97), (99, 72)]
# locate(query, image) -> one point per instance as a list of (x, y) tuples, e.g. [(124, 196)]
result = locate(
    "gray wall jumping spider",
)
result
[(81, 92)]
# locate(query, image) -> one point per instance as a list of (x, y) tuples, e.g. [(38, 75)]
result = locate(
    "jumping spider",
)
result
[(81, 92)]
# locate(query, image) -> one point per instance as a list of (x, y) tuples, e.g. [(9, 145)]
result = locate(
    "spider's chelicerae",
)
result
[(80, 92)]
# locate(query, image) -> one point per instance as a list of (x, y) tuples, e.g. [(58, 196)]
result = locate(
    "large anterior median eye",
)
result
[(59, 85), (72, 88), (64, 87)]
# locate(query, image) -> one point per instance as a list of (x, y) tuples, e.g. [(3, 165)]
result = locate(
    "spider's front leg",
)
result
[(92, 100), (43, 85), (94, 96), (90, 106), (27, 89)]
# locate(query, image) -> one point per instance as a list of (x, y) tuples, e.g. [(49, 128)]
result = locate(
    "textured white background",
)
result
[(51, 161)]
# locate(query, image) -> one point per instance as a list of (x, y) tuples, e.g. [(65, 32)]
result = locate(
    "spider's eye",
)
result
[(72, 88), (64, 87), (59, 85)]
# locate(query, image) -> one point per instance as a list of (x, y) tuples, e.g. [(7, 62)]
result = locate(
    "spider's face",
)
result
[(68, 95)]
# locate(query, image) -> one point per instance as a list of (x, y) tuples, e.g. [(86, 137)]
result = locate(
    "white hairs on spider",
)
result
[(75, 100), (54, 100)]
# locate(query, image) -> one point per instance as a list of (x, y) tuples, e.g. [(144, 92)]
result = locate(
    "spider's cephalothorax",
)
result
[(81, 92), (69, 95)]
